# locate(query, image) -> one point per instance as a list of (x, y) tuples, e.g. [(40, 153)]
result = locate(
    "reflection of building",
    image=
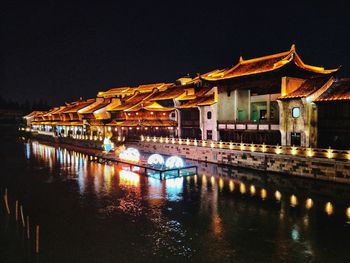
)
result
[(275, 99)]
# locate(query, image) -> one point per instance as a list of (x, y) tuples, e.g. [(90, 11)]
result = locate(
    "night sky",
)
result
[(60, 50)]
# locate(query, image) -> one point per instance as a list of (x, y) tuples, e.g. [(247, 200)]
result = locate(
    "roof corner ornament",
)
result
[(292, 48), (240, 59)]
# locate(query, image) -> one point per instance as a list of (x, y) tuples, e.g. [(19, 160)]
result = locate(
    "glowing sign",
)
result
[(155, 159), (130, 154), (174, 162)]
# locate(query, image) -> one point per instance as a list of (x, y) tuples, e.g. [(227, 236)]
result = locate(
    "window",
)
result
[(209, 115), (209, 134), (296, 112), (173, 115), (263, 114), (295, 138)]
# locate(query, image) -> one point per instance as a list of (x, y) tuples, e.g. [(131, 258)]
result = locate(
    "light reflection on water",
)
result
[(222, 199)]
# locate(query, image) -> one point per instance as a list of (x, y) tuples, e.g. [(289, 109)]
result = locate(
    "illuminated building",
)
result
[(275, 99)]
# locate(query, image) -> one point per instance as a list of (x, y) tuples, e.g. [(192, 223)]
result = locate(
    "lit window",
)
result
[(296, 112), (209, 115)]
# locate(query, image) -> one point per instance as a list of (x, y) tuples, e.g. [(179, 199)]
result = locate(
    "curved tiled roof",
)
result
[(266, 64)]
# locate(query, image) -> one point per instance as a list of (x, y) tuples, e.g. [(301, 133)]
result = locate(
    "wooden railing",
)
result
[(260, 148)]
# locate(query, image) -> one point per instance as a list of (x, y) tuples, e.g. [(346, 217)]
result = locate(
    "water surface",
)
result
[(93, 212)]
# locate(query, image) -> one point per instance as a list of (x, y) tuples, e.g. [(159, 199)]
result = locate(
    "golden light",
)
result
[(278, 149), (263, 148), (129, 178), (309, 203), (309, 152), (212, 145), (152, 112), (293, 201), (187, 141), (203, 143), (195, 143), (212, 180), (329, 208), (173, 140), (263, 194), (166, 140), (293, 150), (329, 153), (347, 212), (221, 184), (116, 129), (231, 145), (231, 186), (252, 148), (154, 139), (242, 146), (220, 144), (137, 113), (242, 188), (204, 179), (161, 139), (252, 190), (349, 155), (179, 141), (148, 139), (278, 196)]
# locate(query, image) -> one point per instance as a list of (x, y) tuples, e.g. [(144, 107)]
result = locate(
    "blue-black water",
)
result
[(92, 212)]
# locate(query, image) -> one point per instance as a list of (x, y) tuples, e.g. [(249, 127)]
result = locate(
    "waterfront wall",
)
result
[(91, 144), (318, 168)]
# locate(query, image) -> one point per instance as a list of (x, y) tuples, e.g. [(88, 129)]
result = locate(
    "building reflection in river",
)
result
[(221, 180)]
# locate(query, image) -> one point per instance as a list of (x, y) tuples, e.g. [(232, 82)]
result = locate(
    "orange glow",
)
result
[(263, 194), (309, 203), (293, 201), (231, 186), (129, 178), (329, 208), (242, 188), (278, 195)]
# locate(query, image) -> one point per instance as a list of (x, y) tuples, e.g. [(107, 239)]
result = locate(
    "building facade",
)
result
[(274, 99)]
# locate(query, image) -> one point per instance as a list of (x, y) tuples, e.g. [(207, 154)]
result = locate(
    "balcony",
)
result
[(248, 125)]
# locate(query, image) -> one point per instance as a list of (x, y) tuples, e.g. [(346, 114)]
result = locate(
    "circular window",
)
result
[(296, 112)]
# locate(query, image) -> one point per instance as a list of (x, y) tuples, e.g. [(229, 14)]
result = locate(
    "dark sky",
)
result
[(61, 50)]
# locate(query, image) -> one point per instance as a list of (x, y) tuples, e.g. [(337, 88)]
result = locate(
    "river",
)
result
[(96, 212)]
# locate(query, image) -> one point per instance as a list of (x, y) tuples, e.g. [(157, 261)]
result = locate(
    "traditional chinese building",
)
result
[(274, 99), (248, 106)]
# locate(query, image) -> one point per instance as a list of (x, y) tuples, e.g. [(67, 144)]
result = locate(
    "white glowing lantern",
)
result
[(174, 162), (130, 154), (155, 159)]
